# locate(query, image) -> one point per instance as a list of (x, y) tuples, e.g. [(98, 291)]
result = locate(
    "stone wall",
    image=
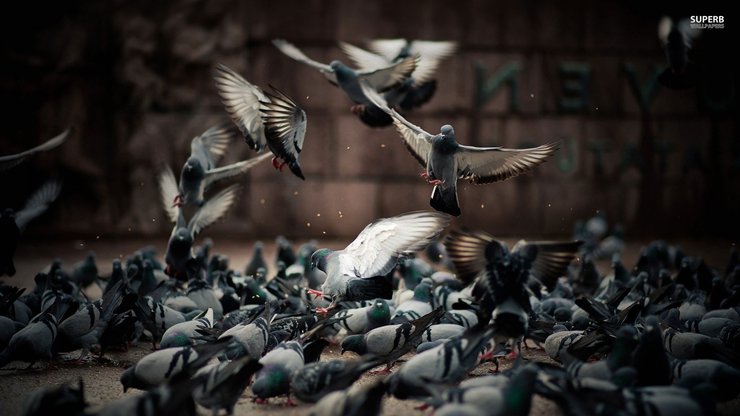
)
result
[(135, 80)]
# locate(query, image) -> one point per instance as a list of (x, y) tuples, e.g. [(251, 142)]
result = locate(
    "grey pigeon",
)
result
[(358, 272), (620, 356), (200, 171), (278, 367), (182, 334), (8, 328), (446, 161), (448, 363), (256, 262), (62, 400), (347, 79), (13, 223), (249, 339), (363, 319), (32, 343), (416, 307), (156, 317), (222, 384), (9, 161), (180, 246), (359, 399), (155, 368), (200, 292), (172, 398), (316, 380), (266, 119)]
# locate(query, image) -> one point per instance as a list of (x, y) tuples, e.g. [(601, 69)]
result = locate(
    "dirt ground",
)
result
[(101, 378)]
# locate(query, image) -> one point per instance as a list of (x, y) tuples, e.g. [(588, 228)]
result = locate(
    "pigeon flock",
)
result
[(659, 338)]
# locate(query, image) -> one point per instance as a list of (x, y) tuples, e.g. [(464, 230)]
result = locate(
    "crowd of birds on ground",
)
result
[(660, 338)]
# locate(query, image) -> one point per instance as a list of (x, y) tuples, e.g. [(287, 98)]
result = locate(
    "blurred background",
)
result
[(134, 78)]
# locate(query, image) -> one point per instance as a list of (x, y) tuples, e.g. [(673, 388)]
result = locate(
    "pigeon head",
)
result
[(192, 170), (270, 382), (128, 379), (354, 343), (380, 313), (319, 258), (336, 66), (447, 130)]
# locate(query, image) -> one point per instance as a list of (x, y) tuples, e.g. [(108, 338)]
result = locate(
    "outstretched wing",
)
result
[(295, 53), (213, 143), (467, 250), (233, 169), (431, 54), (550, 259), (38, 203), (168, 191), (389, 76), (7, 162), (242, 102), (212, 210), (285, 128), (364, 60), (388, 48), (417, 141), (376, 249), (494, 164)]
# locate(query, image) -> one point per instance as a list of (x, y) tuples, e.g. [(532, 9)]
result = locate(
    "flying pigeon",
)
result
[(415, 90), (358, 272), (266, 119), (12, 223), (199, 172), (348, 80), (446, 161), (179, 248), (9, 161)]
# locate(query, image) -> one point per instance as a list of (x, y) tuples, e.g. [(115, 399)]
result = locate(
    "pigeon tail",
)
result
[(445, 201), (419, 94), (374, 116)]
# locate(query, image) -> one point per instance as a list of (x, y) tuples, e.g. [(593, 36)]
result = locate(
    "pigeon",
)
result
[(677, 38), (390, 342), (222, 384), (447, 363), (724, 377), (13, 223), (442, 331), (285, 252), (200, 171), (179, 248), (278, 366), (32, 343), (446, 161), (85, 273), (63, 400), (314, 381), (348, 80), (364, 319), (182, 334), (256, 262), (358, 272), (250, 339), (415, 90), (359, 399), (416, 307), (156, 367), (9, 161), (266, 119), (200, 292), (620, 356), (172, 398), (156, 317)]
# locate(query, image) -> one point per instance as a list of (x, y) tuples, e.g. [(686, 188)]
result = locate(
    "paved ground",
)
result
[(101, 377)]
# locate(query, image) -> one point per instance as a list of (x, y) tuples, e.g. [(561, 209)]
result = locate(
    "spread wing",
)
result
[(364, 60), (285, 125), (233, 169), (38, 203), (388, 48), (7, 162), (376, 249), (431, 54), (417, 141), (212, 210), (389, 76), (242, 102), (494, 164), (467, 250), (295, 53), (550, 259), (169, 190), (213, 143)]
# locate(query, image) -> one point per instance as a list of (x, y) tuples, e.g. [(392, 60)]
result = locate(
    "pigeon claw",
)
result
[(422, 407), (258, 400), (315, 292), (276, 163), (323, 311), (435, 182), (290, 403), (424, 175)]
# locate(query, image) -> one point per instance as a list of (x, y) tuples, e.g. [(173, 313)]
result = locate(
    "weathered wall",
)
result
[(134, 78)]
